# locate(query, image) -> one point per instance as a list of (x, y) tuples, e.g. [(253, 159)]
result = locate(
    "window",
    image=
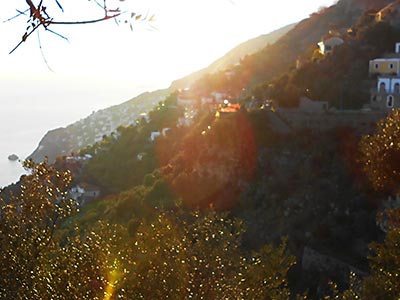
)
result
[(382, 87), (389, 101), (391, 66), (376, 66), (397, 88)]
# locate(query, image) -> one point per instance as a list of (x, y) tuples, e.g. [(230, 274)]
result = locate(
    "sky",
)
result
[(186, 35)]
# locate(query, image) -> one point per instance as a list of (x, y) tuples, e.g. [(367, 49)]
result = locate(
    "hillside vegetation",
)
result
[(225, 208)]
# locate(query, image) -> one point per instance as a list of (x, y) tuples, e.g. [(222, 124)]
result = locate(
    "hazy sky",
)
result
[(106, 63)]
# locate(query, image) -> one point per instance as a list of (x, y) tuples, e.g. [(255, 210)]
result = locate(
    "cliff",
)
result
[(64, 141)]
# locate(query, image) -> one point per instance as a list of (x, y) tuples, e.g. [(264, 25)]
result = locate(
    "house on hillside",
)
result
[(386, 93), (186, 98), (155, 134), (227, 110), (389, 14), (219, 97), (327, 45), (84, 193)]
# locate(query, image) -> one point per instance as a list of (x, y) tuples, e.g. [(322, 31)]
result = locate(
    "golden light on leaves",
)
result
[(380, 154), (172, 256)]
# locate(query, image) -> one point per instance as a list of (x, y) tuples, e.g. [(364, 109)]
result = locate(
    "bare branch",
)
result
[(84, 22), (58, 34), (24, 38), (38, 17), (20, 13)]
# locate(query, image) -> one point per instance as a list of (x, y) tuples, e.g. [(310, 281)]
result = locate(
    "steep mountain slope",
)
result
[(254, 69), (275, 60), (340, 78), (249, 47), (63, 141)]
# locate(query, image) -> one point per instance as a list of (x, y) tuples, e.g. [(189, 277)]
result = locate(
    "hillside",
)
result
[(247, 48), (273, 60), (63, 141), (225, 206), (279, 58), (307, 186), (87, 131)]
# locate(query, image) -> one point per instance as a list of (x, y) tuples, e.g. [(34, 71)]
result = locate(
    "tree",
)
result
[(383, 282), (27, 229), (380, 154), (40, 261), (44, 255), (200, 257)]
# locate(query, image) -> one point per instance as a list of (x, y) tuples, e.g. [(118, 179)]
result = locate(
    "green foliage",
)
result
[(116, 167), (200, 257), (383, 283), (175, 256), (380, 154), (28, 221)]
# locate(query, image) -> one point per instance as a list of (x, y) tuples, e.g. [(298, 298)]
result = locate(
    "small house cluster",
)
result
[(318, 116)]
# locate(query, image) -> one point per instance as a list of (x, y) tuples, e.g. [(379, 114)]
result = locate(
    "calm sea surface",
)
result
[(25, 117)]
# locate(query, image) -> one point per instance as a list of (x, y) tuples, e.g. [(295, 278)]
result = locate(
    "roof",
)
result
[(386, 59), (332, 41), (230, 109), (89, 187)]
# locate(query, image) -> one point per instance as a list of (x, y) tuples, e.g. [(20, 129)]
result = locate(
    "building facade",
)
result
[(386, 93)]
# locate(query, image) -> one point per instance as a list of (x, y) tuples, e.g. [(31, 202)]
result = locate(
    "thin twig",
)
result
[(59, 5), (20, 13), (24, 37), (84, 22), (43, 56), (58, 34)]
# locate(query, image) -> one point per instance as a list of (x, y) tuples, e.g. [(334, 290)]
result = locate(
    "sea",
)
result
[(26, 117)]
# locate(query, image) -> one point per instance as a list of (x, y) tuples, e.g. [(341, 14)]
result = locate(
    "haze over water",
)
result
[(29, 112)]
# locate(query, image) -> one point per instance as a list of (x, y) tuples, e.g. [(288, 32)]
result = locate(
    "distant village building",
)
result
[(187, 98), (84, 193), (145, 117), (389, 14), (227, 110), (386, 93), (155, 134), (219, 97), (229, 74), (318, 116), (140, 156), (327, 45)]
